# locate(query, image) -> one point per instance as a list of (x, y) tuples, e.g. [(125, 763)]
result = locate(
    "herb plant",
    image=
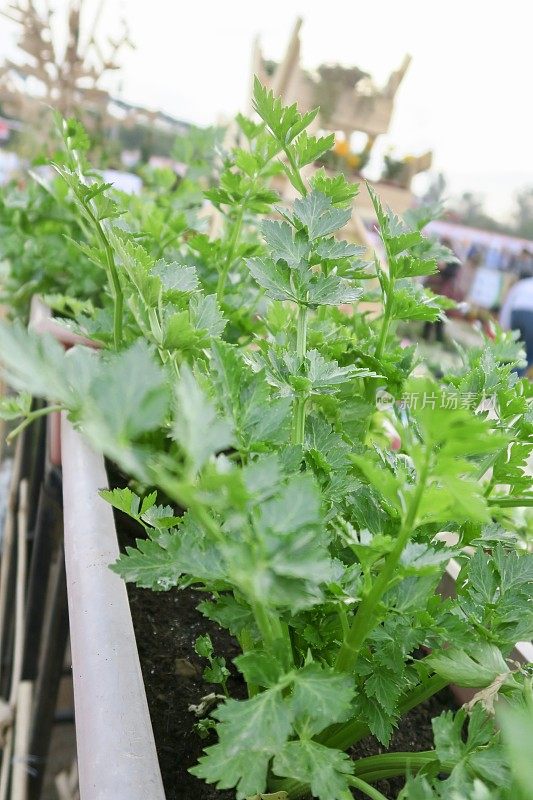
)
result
[(317, 547)]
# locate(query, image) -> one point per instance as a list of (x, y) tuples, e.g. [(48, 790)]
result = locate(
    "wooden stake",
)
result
[(22, 518), (8, 544)]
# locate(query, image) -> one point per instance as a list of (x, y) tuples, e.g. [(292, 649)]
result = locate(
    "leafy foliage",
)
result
[(228, 381)]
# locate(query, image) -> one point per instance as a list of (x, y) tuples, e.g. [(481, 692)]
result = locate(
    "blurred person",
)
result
[(522, 264), (443, 282), (517, 313)]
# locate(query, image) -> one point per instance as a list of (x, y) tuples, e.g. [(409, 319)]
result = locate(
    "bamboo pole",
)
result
[(22, 517), (8, 544), (6, 762), (19, 778)]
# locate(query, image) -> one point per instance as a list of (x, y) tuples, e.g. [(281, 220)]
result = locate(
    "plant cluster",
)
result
[(233, 386)]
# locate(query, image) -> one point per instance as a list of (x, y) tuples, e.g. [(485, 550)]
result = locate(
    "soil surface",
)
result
[(166, 626)]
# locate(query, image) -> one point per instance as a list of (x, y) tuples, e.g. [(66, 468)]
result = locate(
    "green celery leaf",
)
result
[(285, 122), (320, 217), (250, 732), (324, 769), (337, 188), (14, 406), (308, 148), (258, 668), (206, 315), (320, 698), (158, 564), (176, 277), (282, 245), (274, 278), (331, 249), (197, 427), (332, 290)]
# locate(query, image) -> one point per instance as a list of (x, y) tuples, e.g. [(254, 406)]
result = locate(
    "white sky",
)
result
[(467, 94)]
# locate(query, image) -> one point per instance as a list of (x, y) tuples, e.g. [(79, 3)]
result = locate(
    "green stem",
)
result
[(301, 402), (385, 323), (275, 635), (392, 764), (223, 274), (509, 501), (118, 296), (109, 256), (299, 420), (294, 173), (41, 412), (365, 788), (367, 611)]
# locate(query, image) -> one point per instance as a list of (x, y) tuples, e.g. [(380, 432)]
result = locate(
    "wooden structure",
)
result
[(69, 79), (350, 102)]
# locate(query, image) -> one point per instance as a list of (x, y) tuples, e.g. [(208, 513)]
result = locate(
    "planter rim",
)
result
[(42, 321), (117, 757)]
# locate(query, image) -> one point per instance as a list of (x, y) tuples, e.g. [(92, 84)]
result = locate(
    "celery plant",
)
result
[(316, 546)]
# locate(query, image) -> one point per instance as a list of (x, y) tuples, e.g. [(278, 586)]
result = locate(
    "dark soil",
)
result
[(166, 626)]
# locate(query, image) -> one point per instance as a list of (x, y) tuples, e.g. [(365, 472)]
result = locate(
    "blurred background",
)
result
[(465, 95), (430, 103)]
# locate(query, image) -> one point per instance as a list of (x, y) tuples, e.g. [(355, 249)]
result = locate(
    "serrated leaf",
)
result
[(149, 565), (285, 122), (332, 290), (282, 245), (404, 241), (333, 249), (318, 214), (197, 427), (159, 563), (326, 375), (337, 188), (274, 278), (324, 769), (123, 499), (410, 266), (228, 613), (309, 148), (176, 277), (320, 697), (250, 732), (258, 668), (386, 688), (206, 315), (14, 406)]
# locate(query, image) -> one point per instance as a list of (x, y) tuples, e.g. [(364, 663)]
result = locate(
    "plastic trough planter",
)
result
[(116, 750), (115, 744)]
